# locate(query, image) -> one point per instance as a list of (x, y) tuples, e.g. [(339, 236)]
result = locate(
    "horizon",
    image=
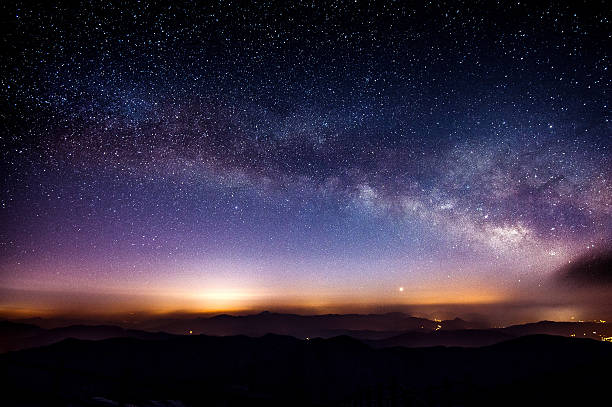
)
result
[(490, 314)]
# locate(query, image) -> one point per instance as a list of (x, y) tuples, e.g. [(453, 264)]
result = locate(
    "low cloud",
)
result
[(590, 270)]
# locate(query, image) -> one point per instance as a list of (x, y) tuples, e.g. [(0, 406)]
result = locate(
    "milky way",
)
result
[(315, 150)]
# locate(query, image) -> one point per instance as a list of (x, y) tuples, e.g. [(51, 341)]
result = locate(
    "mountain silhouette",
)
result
[(377, 330), (14, 336), (300, 326)]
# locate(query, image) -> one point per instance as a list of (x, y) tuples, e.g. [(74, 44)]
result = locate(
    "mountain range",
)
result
[(377, 330)]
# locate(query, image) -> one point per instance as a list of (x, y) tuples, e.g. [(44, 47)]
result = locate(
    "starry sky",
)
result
[(323, 155)]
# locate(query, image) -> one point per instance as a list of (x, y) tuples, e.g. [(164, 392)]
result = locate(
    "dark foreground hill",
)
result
[(279, 370)]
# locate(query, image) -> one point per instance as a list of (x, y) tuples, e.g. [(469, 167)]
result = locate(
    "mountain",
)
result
[(278, 370), (299, 326), (15, 336), (464, 337), (593, 330), (483, 337), (378, 330), (459, 324)]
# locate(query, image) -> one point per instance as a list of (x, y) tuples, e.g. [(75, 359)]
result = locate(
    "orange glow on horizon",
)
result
[(229, 300)]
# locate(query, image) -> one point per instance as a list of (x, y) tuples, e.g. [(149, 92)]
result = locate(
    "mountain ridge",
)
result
[(378, 330)]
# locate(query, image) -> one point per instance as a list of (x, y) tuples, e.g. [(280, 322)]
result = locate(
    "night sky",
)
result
[(320, 155)]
